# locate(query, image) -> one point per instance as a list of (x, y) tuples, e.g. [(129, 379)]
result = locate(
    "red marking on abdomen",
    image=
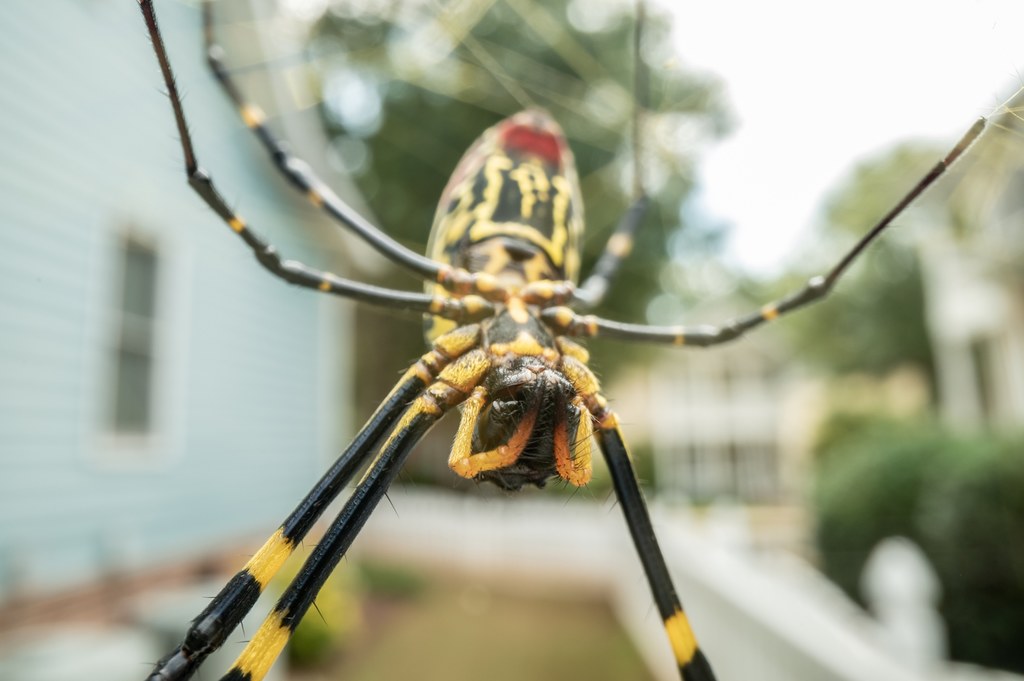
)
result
[(531, 140)]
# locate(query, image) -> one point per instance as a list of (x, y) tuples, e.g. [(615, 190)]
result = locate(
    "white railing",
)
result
[(758, 619)]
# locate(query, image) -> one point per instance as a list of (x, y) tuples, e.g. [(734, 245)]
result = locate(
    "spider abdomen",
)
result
[(511, 209)]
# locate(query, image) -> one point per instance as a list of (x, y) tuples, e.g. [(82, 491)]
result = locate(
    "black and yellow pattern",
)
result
[(501, 302), (511, 209)]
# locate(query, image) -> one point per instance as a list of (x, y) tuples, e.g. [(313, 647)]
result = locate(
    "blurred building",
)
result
[(163, 397), (719, 421), (727, 425)]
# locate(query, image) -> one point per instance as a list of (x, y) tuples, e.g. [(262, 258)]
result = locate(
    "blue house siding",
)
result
[(240, 427)]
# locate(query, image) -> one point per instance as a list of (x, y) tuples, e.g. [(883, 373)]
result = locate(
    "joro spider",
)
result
[(503, 264)]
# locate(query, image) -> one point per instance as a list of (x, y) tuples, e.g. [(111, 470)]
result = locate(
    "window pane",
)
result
[(133, 338), (139, 280), (131, 409)]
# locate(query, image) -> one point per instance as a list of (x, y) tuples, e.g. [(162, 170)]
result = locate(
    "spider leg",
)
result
[(292, 271), (593, 289), (269, 640), (619, 245), (212, 626), (454, 383), (298, 172), (693, 666), (564, 320)]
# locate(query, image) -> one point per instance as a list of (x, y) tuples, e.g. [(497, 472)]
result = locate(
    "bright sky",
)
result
[(817, 86)]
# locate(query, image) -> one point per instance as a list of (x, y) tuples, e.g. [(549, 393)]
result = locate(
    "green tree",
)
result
[(878, 320)]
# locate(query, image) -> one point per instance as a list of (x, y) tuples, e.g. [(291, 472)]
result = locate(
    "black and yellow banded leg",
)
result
[(211, 627), (451, 388), (465, 310), (299, 174), (564, 320), (693, 666), (215, 623), (269, 640), (618, 247)]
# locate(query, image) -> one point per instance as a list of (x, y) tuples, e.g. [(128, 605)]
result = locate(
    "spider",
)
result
[(501, 271)]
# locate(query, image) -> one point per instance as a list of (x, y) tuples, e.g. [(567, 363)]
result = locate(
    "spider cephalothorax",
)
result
[(525, 423)]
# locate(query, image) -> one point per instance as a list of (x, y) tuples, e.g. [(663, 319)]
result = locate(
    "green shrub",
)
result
[(960, 498), (973, 527), (869, 487)]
